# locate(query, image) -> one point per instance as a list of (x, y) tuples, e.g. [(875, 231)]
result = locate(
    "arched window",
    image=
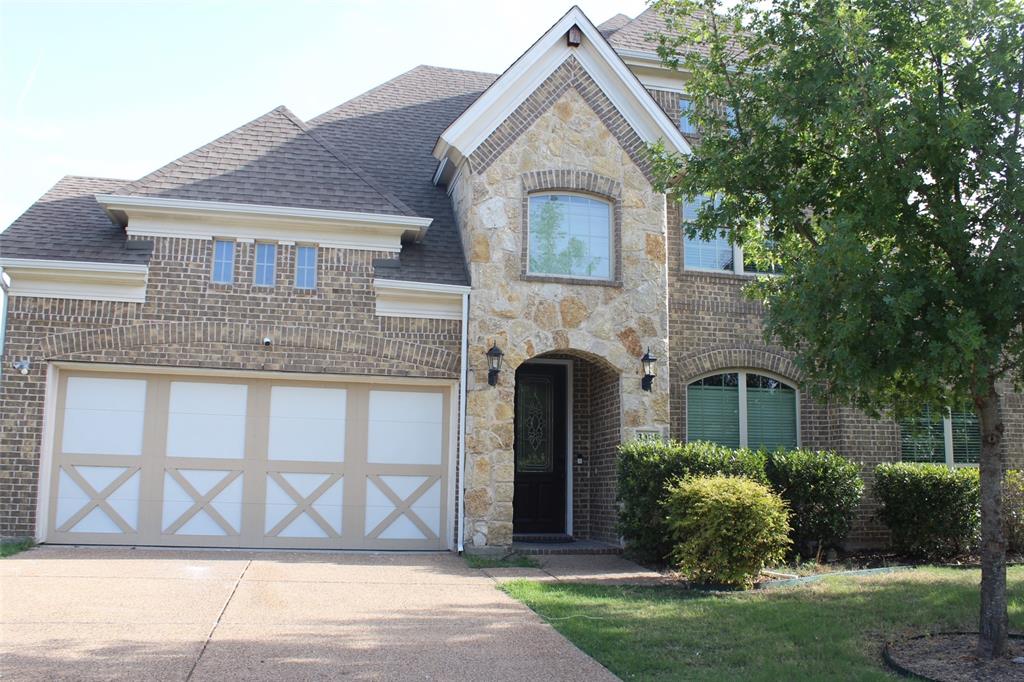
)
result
[(570, 235), (743, 409)]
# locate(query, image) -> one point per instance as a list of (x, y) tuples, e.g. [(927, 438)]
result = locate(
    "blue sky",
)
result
[(117, 89)]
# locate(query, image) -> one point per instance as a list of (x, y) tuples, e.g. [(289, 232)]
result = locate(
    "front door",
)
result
[(540, 443)]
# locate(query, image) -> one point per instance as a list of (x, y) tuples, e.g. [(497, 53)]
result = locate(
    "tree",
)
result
[(872, 149)]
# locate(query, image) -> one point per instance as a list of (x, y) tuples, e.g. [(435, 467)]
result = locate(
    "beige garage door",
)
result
[(222, 462)]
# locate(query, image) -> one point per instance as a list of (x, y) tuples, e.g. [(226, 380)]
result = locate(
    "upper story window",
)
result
[(686, 126), (717, 254), (742, 409), (305, 267), (570, 235), (953, 438), (266, 262), (223, 261)]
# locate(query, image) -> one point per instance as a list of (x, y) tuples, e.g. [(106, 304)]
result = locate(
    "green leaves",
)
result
[(878, 148), (725, 530)]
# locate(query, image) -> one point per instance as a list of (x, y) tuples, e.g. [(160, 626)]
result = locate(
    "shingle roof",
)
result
[(392, 130), (637, 34), (607, 28), (66, 223), (272, 160)]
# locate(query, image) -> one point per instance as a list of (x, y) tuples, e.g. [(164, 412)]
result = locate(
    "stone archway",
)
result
[(592, 433)]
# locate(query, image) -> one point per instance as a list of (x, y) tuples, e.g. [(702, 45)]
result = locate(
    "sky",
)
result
[(118, 89)]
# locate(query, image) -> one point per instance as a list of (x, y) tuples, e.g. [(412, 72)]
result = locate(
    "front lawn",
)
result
[(832, 629), (11, 548)]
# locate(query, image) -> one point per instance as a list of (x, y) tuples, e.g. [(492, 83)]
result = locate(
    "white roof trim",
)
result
[(85, 280), (186, 218), (407, 285), (424, 300), (600, 60)]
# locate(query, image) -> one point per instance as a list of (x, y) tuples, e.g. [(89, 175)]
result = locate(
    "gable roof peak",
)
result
[(595, 55)]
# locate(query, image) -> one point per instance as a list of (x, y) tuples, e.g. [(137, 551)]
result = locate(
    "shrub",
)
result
[(1013, 511), (725, 529), (645, 469), (822, 490), (932, 511)]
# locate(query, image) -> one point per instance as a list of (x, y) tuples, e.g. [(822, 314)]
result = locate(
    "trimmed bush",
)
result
[(822, 490), (725, 529), (646, 467), (932, 511), (1013, 511)]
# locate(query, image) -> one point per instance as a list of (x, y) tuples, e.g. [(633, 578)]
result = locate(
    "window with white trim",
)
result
[(743, 409), (223, 261), (953, 438), (305, 267), (266, 264), (686, 126), (717, 254), (570, 235)]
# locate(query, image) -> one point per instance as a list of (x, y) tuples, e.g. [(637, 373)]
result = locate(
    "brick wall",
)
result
[(187, 321)]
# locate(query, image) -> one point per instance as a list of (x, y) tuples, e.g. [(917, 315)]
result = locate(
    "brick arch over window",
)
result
[(184, 334), (698, 364)]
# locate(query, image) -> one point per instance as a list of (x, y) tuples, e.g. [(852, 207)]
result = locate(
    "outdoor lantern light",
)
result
[(494, 356), (648, 361)]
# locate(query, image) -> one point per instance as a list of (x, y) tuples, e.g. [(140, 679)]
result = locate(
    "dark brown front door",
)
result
[(540, 442)]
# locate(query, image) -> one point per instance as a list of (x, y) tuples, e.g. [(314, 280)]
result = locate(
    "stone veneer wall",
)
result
[(187, 321), (713, 326), (565, 136)]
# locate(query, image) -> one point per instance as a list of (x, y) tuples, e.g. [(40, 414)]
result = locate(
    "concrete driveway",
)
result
[(105, 613)]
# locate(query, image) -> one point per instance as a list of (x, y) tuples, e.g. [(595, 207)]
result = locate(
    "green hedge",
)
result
[(648, 467), (932, 511), (823, 490), (1013, 511), (725, 530)]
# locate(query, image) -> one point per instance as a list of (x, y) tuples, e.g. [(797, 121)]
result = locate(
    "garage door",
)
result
[(189, 461)]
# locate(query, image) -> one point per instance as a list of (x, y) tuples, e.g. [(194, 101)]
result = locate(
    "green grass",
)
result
[(829, 630), (509, 561), (11, 548)]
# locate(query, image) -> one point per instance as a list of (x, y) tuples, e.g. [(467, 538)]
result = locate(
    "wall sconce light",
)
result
[(648, 361), (494, 356), (22, 365)]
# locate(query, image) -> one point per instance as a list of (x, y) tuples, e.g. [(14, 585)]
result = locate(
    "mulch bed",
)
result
[(950, 657)]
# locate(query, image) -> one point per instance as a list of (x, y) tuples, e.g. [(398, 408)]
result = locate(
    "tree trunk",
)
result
[(994, 621)]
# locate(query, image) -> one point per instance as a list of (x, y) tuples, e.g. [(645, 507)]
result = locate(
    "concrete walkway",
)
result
[(105, 613)]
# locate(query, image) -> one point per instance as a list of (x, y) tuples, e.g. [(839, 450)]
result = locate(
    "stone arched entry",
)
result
[(568, 425)]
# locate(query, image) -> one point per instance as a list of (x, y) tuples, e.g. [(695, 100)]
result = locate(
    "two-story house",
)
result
[(422, 319)]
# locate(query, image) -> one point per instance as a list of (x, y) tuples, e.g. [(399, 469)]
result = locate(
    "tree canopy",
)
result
[(872, 149)]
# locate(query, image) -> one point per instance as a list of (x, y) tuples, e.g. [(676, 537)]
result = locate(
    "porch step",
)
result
[(571, 547), (538, 538)]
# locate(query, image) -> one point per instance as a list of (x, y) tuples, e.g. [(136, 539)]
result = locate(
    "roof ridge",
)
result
[(362, 174), (75, 176), (164, 169)]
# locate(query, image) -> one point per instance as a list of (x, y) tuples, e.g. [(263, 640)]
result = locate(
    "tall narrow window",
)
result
[(771, 413), (686, 126), (713, 410), (711, 254), (223, 261), (305, 267), (266, 259), (570, 236)]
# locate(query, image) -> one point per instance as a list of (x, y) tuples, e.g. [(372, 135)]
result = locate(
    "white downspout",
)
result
[(463, 373)]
